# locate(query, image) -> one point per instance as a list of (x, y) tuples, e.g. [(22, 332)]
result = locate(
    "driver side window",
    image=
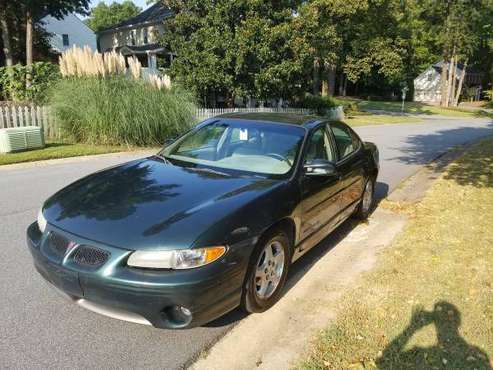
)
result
[(319, 146)]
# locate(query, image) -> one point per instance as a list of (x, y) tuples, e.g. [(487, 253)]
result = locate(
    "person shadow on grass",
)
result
[(451, 352)]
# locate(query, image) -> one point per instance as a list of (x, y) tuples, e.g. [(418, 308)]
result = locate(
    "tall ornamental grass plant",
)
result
[(117, 110)]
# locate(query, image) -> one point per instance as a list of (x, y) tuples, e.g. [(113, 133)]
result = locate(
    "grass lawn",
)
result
[(429, 302), (58, 150), (415, 108), (362, 119)]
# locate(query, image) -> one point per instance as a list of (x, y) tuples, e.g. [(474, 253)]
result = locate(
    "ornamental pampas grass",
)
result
[(84, 62)]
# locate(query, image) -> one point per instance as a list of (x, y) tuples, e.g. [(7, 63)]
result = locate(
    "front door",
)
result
[(320, 199)]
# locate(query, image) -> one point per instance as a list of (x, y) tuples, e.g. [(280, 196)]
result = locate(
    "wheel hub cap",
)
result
[(270, 267), (367, 196)]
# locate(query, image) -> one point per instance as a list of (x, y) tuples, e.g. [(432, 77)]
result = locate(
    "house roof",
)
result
[(438, 66), (154, 14)]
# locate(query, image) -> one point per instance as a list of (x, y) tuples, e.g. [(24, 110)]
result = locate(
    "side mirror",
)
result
[(319, 167)]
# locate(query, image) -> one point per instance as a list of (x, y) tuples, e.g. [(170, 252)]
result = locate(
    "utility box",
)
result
[(21, 138)]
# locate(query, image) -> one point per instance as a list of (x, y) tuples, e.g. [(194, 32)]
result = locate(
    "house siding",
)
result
[(78, 33), (427, 86), (116, 38)]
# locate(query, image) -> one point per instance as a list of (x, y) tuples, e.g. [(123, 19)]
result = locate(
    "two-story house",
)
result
[(138, 36), (67, 32)]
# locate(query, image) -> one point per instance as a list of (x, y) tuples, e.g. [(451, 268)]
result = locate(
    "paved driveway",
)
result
[(39, 329)]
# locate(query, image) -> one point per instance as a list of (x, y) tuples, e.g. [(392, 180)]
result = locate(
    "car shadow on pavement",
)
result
[(451, 350)]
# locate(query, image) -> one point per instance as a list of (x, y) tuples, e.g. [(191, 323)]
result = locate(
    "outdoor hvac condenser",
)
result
[(20, 138)]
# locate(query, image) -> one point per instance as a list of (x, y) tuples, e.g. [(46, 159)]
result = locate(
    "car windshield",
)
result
[(263, 148)]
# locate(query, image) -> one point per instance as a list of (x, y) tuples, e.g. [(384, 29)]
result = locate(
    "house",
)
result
[(67, 32), (427, 86), (138, 36)]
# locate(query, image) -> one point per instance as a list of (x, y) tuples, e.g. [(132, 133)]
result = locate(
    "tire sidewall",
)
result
[(250, 301), (361, 213)]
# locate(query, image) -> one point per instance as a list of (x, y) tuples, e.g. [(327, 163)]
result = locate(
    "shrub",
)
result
[(13, 82), (118, 110), (319, 104)]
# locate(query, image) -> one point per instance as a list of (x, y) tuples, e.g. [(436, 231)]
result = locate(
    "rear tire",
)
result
[(367, 199), (267, 272)]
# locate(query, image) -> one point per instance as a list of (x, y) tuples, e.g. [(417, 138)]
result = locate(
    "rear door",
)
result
[(350, 163), (320, 199)]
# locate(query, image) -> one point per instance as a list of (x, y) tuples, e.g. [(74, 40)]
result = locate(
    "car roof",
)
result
[(304, 120)]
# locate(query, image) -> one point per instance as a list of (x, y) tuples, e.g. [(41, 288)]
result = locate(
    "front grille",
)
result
[(58, 243), (86, 255)]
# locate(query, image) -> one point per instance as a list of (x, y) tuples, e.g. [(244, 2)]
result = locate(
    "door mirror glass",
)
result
[(319, 167)]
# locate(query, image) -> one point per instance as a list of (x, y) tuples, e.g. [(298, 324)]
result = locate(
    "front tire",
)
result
[(367, 199), (267, 272)]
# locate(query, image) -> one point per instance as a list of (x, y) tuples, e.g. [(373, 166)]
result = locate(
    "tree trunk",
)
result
[(4, 27), (450, 80), (341, 83), (443, 82), (29, 47), (316, 76), (331, 79), (459, 88), (454, 82), (344, 88)]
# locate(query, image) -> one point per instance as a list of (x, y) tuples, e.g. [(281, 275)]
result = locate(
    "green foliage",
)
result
[(283, 49), (319, 104), (234, 48), (103, 16), (13, 82), (119, 111)]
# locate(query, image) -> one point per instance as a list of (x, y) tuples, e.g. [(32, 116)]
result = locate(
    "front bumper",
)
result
[(142, 295)]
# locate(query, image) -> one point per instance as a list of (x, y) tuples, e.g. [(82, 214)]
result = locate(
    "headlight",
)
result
[(176, 259), (41, 221)]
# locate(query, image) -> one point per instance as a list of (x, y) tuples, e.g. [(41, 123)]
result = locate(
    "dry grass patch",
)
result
[(429, 303)]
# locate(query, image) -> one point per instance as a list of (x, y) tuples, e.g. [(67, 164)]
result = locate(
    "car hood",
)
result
[(149, 204)]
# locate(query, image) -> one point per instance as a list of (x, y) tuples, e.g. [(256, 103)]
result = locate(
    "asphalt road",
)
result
[(39, 329)]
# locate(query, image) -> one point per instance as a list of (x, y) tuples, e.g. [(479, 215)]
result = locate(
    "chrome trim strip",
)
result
[(112, 312)]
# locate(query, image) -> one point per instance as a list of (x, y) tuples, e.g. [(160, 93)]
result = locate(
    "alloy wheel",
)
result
[(269, 269), (367, 196)]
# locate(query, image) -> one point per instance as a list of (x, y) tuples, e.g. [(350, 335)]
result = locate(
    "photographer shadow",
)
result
[(450, 352)]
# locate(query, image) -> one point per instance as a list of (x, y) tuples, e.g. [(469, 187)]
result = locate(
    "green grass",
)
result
[(429, 302), (58, 150), (414, 108), (378, 119)]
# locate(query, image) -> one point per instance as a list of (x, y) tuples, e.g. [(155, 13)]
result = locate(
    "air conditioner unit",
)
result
[(20, 138)]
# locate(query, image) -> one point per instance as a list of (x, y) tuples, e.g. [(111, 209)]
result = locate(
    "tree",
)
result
[(233, 48), (4, 28), (103, 16), (34, 9), (459, 27)]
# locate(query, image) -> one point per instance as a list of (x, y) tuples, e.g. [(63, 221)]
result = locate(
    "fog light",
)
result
[(178, 315)]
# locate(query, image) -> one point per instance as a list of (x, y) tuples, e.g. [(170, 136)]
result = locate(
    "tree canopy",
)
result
[(285, 48), (103, 16)]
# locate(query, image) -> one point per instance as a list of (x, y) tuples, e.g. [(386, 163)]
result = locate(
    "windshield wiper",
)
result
[(162, 157), (209, 170)]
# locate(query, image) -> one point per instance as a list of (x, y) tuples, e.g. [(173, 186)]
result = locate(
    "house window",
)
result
[(132, 35), (65, 40), (146, 36)]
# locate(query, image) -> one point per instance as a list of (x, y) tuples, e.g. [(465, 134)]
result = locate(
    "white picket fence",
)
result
[(204, 113), (20, 116)]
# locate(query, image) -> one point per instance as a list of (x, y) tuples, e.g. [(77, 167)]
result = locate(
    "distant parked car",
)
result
[(212, 222)]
